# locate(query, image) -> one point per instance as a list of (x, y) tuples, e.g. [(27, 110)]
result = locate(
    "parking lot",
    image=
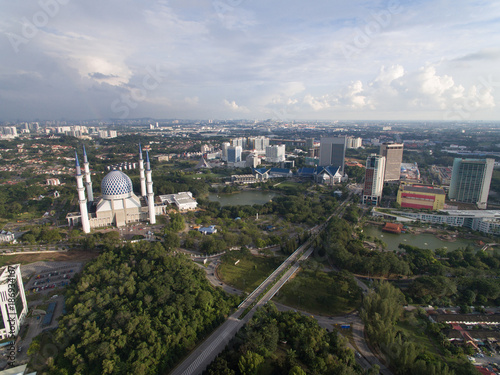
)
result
[(48, 278)]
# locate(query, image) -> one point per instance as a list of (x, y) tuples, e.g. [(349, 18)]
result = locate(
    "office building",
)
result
[(470, 181), (374, 179), (224, 148), (13, 305), (332, 152), (275, 154), (393, 153), (234, 154)]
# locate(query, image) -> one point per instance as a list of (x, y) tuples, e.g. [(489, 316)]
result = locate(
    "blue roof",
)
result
[(280, 170), (306, 171), (330, 169), (261, 170)]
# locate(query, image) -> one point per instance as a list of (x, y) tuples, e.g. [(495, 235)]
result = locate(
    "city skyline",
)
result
[(387, 60)]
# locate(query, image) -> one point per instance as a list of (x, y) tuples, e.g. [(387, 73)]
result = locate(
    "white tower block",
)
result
[(88, 181), (141, 173), (151, 197), (81, 197)]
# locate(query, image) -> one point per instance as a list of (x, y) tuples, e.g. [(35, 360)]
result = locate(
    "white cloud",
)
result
[(235, 107)]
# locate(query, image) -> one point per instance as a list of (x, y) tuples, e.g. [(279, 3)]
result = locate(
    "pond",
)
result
[(243, 198), (423, 241)]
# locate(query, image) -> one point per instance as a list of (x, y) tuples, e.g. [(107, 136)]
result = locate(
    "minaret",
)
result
[(151, 197), (88, 182), (81, 197), (141, 172)]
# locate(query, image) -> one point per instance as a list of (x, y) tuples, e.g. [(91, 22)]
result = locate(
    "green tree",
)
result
[(250, 363)]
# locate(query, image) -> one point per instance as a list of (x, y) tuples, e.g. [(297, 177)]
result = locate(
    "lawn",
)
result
[(321, 293), (414, 328), (250, 271)]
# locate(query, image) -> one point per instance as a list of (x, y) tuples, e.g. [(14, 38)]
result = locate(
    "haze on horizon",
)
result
[(225, 59)]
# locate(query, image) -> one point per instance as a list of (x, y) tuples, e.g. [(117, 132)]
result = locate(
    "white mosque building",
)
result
[(118, 205)]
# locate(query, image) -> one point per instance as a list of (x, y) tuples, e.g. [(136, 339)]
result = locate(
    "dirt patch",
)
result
[(69, 256)]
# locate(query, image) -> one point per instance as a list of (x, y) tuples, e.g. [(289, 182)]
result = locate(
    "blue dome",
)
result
[(116, 184)]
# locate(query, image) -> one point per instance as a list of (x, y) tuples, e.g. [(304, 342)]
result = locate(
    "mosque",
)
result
[(118, 205)]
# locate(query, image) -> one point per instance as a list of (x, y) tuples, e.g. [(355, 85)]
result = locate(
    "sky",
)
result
[(251, 59)]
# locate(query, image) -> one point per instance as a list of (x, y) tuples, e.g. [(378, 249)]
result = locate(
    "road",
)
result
[(205, 353), (202, 356)]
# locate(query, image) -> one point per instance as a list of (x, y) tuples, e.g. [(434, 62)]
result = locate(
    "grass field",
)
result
[(414, 328), (249, 273), (320, 293)]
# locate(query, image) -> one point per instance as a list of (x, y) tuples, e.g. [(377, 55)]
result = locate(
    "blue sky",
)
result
[(254, 59)]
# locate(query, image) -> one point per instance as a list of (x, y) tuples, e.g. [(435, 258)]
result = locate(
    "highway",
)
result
[(204, 354)]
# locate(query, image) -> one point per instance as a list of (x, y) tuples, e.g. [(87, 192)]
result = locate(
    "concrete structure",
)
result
[(252, 161), (149, 188), (470, 181), (208, 230), (88, 181), (332, 152), (421, 197), (374, 179), (258, 143), (275, 153), (486, 221), (183, 200), (6, 236), (241, 142), (443, 174), (353, 142), (141, 173), (234, 154), (224, 147), (82, 200), (410, 171), (13, 305), (328, 175), (393, 153), (53, 182)]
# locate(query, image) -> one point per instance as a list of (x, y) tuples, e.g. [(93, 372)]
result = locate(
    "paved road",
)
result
[(202, 356)]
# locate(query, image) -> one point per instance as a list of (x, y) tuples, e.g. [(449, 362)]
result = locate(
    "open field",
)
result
[(249, 273), (72, 255), (320, 293)]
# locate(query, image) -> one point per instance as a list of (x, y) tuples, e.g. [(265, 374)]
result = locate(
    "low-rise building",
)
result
[(183, 200), (421, 197)]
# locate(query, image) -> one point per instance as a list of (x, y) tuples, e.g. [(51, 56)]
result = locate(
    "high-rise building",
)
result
[(332, 152), (258, 143), (242, 142), (224, 148), (309, 143), (393, 153), (353, 142), (234, 154), (470, 181), (275, 153), (13, 305), (374, 179)]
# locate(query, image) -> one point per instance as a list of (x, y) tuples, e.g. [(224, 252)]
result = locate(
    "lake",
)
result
[(244, 198), (423, 241)]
